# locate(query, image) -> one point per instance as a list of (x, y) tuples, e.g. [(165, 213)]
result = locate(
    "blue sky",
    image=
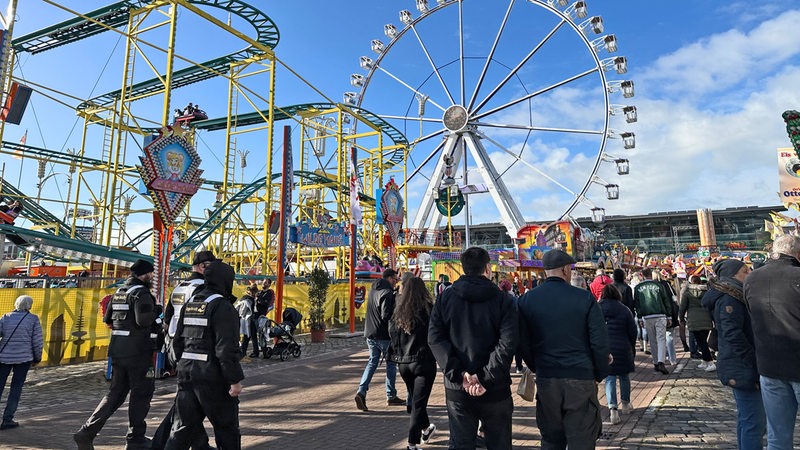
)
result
[(712, 79)]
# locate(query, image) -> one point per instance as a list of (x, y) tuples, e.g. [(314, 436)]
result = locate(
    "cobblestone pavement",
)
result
[(307, 403)]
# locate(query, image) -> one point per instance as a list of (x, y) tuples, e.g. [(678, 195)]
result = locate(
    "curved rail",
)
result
[(34, 212), (117, 14)]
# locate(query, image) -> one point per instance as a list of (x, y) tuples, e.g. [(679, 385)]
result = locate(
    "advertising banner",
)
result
[(789, 175)]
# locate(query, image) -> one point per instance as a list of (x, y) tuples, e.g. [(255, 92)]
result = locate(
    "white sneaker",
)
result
[(702, 365), (625, 407), (614, 417), (674, 362), (427, 433), (710, 367)]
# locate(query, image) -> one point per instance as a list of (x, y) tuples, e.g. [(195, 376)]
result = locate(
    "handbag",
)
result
[(527, 386)]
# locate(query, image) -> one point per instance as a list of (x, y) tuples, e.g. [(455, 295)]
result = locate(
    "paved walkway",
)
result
[(307, 403)]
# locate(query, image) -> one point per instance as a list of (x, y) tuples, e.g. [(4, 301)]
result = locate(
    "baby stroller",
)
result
[(285, 344)]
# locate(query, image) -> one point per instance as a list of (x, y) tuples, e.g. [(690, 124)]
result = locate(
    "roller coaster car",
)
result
[(9, 212), (197, 114)]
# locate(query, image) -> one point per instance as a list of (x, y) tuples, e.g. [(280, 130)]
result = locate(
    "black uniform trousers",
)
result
[(199, 440), (568, 413), (495, 416), (196, 402), (419, 377), (128, 375)]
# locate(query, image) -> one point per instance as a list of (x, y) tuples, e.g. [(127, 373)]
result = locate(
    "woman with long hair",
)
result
[(408, 331), (622, 341)]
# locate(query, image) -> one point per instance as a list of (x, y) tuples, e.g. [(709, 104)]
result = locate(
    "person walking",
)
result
[(380, 307), (771, 293), (408, 330), (20, 347), (599, 282), (624, 290), (653, 306), (473, 335), (505, 286), (737, 367), (209, 373), (699, 319), (182, 293), (621, 328), (132, 314), (563, 338)]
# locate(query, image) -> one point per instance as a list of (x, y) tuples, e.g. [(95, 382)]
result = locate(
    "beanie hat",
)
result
[(141, 267), (727, 267), (204, 256)]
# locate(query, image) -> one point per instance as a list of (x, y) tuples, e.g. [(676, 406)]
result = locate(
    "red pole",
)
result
[(352, 278), (284, 212)]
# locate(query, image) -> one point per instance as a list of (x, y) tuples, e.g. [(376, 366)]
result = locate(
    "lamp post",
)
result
[(29, 249)]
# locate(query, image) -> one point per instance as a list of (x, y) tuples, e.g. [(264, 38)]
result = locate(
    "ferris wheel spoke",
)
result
[(423, 163), (533, 128), (427, 97), (534, 94), (518, 67), (490, 56), (428, 136), (410, 118), (520, 160), (461, 47), (433, 65)]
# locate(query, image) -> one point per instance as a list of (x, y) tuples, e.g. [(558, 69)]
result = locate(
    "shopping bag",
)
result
[(527, 386)]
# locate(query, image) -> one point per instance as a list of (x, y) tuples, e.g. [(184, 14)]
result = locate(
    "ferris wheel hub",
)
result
[(455, 118)]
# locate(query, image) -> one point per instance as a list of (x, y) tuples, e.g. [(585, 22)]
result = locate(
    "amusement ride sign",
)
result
[(392, 209), (170, 170)]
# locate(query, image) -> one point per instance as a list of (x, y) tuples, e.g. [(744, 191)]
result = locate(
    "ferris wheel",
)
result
[(517, 91)]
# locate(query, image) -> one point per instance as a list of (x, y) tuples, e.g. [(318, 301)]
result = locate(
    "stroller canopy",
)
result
[(292, 317)]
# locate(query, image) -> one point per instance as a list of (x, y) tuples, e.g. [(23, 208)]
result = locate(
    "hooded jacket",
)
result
[(211, 337), (597, 285), (772, 293), (698, 316), (736, 359), (621, 327), (474, 329), (380, 307), (563, 332)]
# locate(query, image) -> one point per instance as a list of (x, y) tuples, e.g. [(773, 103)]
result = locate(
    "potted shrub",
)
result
[(318, 283)]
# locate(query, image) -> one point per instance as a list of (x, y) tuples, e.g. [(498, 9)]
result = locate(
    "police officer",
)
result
[(209, 372), (132, 315), (182, 293)]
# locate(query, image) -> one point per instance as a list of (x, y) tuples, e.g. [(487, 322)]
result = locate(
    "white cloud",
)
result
[(722, 61)]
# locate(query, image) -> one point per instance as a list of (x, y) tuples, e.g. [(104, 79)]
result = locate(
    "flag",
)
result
[(355, 206), (22, 141), (780, 219)]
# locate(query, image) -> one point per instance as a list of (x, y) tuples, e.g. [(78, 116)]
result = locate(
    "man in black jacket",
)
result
[(131, 314), (473, 335), (773, 295), (209, 373), (563, 339), (736, 361), (380, 307)]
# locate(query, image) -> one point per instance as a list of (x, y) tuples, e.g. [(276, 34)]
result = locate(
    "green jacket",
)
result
[(649, 298), (699, 317)]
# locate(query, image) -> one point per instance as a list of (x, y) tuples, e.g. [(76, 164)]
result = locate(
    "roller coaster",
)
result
[(104, 184)]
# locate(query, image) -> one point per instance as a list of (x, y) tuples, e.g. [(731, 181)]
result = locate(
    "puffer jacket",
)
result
[(621, 328), (736, 359), (697, 317), (24, 344)]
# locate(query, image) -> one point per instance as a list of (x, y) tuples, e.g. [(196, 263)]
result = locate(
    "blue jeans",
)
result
[(751, 423), (378, 348), (17, 380), (671, 345), (624, 389), (780, 403)]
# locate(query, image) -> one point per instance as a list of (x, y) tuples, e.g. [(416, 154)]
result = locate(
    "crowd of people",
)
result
[(571, 334)]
